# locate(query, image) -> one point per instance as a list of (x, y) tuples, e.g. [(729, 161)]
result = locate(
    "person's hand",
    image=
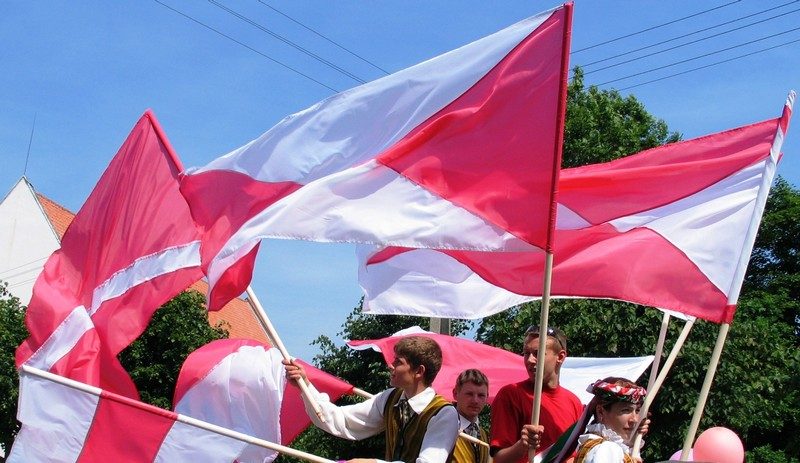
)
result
[(294, 371), (532, 436), (644, 427), (361, 460)]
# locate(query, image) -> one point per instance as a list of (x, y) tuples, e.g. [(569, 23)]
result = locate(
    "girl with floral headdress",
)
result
[(616, 407)]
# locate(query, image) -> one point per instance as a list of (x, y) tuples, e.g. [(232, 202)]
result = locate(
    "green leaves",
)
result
[(12, 333)]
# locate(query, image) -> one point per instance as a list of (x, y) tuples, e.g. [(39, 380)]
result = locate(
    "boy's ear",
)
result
[(420, 372)]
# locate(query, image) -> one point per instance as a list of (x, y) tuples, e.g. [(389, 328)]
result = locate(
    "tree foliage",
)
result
[(12, 333), (154, 360), (601, 125)]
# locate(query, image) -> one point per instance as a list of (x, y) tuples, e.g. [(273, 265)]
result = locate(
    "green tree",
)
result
[(602, 125), (154, 360), (12, 333)]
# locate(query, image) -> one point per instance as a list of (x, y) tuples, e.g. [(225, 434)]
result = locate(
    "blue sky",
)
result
[(87, 70)]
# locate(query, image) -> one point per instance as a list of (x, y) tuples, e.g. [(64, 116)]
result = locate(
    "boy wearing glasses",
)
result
[(511, 432)]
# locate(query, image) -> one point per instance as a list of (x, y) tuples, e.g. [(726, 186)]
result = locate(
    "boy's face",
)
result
[(470, 399), (554, 356), (401, 373)]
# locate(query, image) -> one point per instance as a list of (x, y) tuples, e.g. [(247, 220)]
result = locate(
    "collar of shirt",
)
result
[(463, 422), (421, 400)]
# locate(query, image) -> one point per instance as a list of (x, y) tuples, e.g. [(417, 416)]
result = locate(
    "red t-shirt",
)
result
[(512, 407)]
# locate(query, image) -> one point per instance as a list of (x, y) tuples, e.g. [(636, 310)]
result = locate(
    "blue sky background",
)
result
[(87, 70)]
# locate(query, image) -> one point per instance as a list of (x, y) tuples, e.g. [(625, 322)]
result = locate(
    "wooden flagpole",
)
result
[(655, 385), (543, 324), (181, 418), (273, 336)]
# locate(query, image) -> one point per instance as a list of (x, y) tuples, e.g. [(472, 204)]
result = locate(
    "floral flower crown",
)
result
[(617, 393)]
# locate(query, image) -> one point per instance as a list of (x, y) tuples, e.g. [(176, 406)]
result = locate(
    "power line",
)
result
[(655, 27), (699, 56), (689, 34), (286, 41), (286, 66), (23, 265), (326, 38), (30, 141), (709, 65)]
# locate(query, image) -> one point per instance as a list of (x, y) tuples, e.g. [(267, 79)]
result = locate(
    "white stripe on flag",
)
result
[(144, 269), (62, 340), (56, 420)]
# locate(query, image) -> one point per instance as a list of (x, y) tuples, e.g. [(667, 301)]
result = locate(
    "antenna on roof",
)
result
[(30, 141)]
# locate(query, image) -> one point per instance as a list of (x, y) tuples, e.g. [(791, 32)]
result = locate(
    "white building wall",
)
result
[(27, 239)]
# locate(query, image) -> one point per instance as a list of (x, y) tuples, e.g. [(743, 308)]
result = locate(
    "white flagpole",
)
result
[(655, 385), (182, 418), (741, 267), (273, 335), (701, 400), (662, 336)]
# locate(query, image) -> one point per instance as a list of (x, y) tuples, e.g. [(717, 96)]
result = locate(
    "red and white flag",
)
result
[(458, 152), (671, 227), (240, 384), (131, 247), (67, 421), (503, 367)]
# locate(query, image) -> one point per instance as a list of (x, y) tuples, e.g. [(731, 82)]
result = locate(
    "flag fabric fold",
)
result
[(240, 384), (131, 247), (503, 367), (666, 227), (459, 152)]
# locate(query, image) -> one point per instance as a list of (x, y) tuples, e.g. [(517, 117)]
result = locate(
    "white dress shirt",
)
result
[(365, 419)]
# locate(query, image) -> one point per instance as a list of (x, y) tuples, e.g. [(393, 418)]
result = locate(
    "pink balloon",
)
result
[(677, 455), (719, 445)]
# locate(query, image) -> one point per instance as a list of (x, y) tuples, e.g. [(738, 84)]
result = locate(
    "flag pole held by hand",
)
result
[(273, 336)]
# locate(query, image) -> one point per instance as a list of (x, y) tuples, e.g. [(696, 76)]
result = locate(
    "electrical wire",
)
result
[(699, 56), (655, 27), (286, 66), (23, 265), (709, 65), (690, 34), (286, 41), (327, 38)]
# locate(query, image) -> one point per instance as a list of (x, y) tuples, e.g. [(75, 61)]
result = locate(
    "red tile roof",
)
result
[(237, 316), (59, 216)]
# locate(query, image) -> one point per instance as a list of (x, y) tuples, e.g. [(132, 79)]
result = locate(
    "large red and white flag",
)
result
[(131, 247), (458, 152), (671, 227), (503, 367), (240, 384), (67, 421)]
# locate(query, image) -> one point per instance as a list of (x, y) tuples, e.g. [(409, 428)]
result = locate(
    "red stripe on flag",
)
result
[(511, 115), (147, 426), (603, 192)]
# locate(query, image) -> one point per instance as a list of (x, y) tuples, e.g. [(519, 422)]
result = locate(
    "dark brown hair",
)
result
[(420, 350)]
